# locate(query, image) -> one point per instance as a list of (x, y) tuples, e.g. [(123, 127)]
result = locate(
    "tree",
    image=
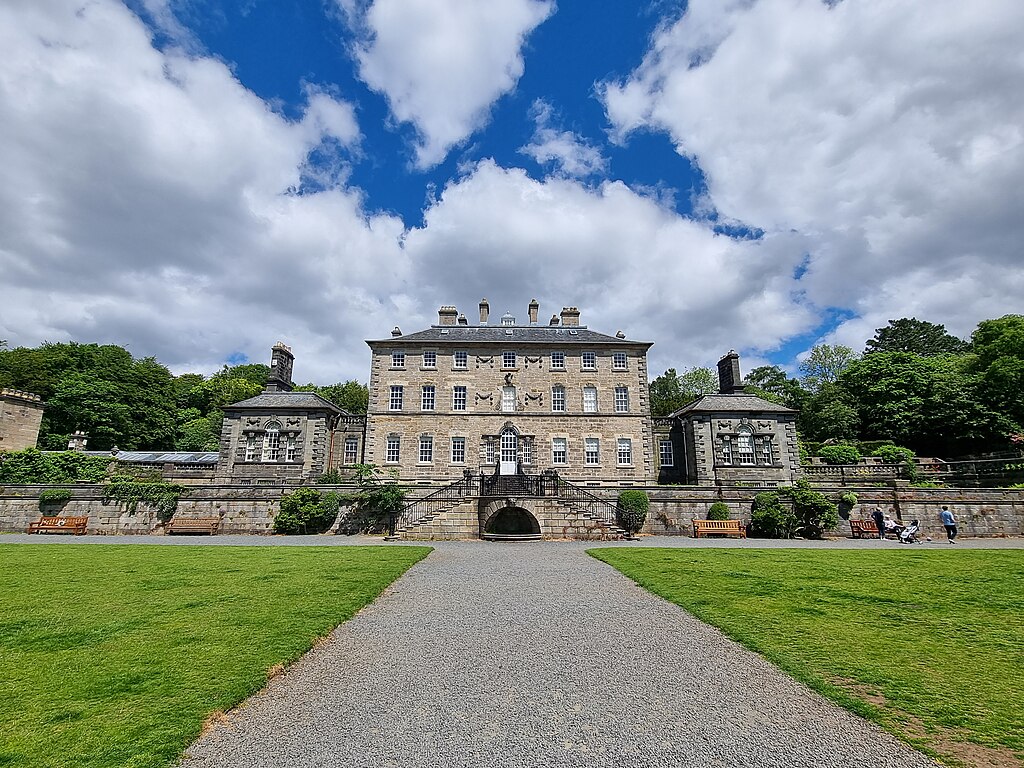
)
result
[(908, 334), (999, 347), (772, 383), (351, 395), (672, 390), (829, 414), (824, 365)]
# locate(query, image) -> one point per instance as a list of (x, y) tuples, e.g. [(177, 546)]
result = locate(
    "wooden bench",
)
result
[(727, 527), (861, 527), (206, 525), (59, 524)]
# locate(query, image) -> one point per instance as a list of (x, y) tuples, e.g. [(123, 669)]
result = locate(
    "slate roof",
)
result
[(296, 400), (520, 334), (738, 402), (159, 457)]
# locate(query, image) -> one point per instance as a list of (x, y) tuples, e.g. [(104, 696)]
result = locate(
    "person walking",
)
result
[(879, 519), (949, 523)]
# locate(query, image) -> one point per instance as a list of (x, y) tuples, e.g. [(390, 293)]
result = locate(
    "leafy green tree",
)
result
[(377, 503), (814, 513), (201, 434), (824, 365), (772, 383), (999, 347), (829, 414), (908, 334), (352, 396), (672, 390), (307, 510)]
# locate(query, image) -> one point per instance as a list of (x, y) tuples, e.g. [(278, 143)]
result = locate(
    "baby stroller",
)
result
[(909, 534)]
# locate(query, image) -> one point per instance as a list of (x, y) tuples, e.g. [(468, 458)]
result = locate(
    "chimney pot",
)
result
[(396, 331), (463, 320), (554, 320)]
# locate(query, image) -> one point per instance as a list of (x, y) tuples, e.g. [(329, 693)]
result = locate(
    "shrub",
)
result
[(33, 467), (718, 511), (376, 506), (840, 454), (53, 497), (145, 488), (893, 454), (632, 511), (814, 513), (848, 499), (770, 518), (307, 510), (331, 477)]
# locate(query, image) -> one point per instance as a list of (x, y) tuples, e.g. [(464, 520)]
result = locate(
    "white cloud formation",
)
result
[(627, 262), (443, 63), (570, 153), (888, 133), (148, 199)]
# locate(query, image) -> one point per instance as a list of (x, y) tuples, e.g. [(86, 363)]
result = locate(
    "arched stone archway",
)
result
[(508, 519)]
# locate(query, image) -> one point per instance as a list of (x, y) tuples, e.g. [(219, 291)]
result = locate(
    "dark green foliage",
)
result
[(849, 498), (307, 510), (631, 512), (770, 518), (144, 488), (999, 365), (51, 497), (843, 453), (376, 505), (893, 454), (331, 477), (772, 383), (814, 513), (32, 467), (349, 395), (671, 391), (718, 511), (824, 365), (908, 334)]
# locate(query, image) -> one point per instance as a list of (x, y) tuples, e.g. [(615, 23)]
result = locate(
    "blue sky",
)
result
[(198, 180)]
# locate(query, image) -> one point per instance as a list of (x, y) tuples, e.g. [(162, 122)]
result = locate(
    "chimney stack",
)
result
[(729, 380), (485, 311), (281, 361), (570, 317), (554, 320), (463, 320), (534, 309), (78, 441), (447, 315)]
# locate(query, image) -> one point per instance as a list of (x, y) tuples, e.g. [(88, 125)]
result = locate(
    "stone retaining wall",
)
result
[(251, 509)]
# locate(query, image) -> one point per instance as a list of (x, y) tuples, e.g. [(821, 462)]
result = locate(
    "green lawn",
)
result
[(929, 644), (114, 655)]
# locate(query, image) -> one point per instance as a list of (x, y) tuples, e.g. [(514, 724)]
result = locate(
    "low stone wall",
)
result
[(251, 509)]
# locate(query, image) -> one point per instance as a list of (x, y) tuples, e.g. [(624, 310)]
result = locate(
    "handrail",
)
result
[(439, 501), (585, 501)]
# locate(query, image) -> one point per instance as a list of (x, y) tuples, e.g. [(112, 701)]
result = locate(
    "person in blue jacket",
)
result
[(949, 523)]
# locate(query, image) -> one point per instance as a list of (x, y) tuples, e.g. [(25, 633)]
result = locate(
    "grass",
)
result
[(115, 655), (928, 644)]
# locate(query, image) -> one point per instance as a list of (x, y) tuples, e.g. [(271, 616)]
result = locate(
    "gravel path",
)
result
[(535, 655)]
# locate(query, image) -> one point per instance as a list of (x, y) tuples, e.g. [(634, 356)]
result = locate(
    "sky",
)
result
[(199, 179)]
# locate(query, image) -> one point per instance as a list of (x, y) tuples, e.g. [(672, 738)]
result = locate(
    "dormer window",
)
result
[(508, 320)]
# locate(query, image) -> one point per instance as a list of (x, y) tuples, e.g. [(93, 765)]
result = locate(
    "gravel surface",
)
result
[(535, 655)]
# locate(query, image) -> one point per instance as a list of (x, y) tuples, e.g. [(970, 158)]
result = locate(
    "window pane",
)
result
[(508, 359), (394, 448), (398, 359), (589, 361), (430, 359), (558, 450), (591, 450), (745, 446), (272, 442), (459, 399), (558, 398), (290, 450), (558, 359), (427, 398), (458, 450), (619, 361), (621, 400), (426, 449), (508, 399), (460, 360), (666, 454), (590, 399), (351, 450), (250, 448), (625, 450), (397, 396)]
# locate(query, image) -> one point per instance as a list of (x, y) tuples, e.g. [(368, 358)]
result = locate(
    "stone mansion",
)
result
[(509, 398)]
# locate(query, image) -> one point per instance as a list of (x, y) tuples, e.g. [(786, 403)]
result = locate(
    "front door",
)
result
[(509, 444)]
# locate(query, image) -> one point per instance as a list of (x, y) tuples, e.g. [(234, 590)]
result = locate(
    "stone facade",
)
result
[(510, 397), (728, 438), (284, 436), (21, 413)]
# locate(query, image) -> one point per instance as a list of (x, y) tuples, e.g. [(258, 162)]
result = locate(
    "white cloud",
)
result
[(569, 152), (443, 63), (888, 133), (627, 262), (147, 199)]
